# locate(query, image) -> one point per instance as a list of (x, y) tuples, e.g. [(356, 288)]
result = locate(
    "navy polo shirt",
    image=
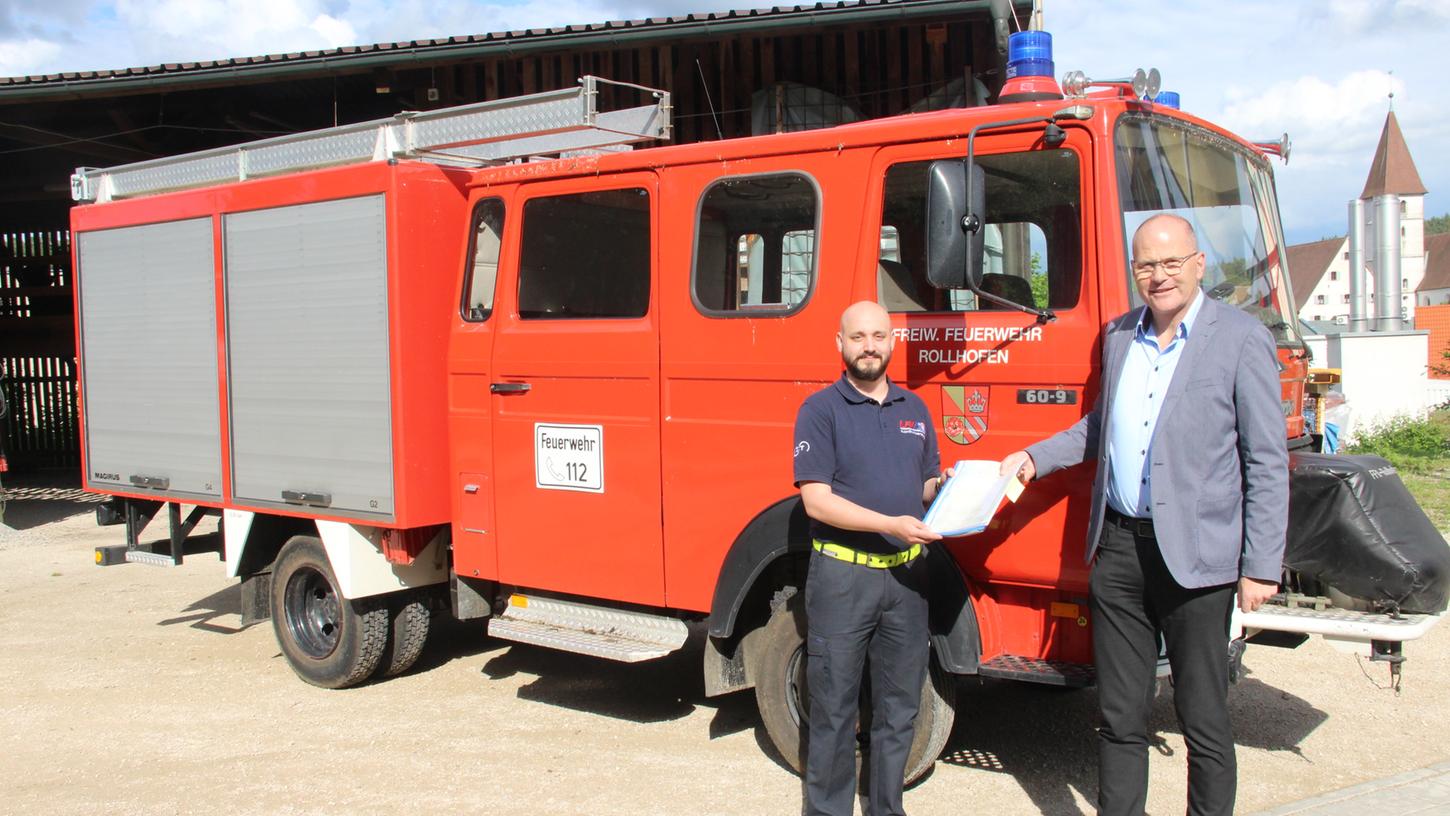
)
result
[(877, 455)]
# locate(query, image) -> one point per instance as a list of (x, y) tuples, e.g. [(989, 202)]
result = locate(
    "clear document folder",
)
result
[(971, 497)]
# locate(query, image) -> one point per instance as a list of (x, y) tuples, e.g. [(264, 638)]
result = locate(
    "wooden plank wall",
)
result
[(878, 70)]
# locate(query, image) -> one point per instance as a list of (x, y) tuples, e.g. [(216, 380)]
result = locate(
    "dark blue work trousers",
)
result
[(853, 611), (1134, 597)]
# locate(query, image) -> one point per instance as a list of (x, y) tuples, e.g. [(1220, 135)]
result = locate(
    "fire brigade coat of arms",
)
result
[(964, 413)]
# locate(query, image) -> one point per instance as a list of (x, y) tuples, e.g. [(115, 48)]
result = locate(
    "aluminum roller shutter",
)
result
[(307, 332), (149, 357)]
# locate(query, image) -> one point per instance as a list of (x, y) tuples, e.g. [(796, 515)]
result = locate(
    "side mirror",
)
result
[(954, 225)]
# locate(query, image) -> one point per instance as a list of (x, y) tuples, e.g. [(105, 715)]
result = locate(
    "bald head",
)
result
[(864, 312), (1164, 229)]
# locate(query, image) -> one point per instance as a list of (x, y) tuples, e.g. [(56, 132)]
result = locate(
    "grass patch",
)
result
[(1420, 450)]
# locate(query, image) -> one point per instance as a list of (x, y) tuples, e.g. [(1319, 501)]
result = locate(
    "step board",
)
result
[(613, 634), (1033, 670), (1344, 624), (150, 558)]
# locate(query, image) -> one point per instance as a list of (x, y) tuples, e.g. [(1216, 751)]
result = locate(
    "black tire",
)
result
[(409, 616), (329, 641), (780, 694)]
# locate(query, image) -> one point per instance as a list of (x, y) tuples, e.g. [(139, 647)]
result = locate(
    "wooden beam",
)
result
[(92, 147)]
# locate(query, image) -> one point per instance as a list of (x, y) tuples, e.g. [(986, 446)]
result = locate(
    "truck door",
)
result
[(575, 393), (998, 379), (470, 399)]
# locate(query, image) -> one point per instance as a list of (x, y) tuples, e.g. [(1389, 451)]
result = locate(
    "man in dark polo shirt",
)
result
[(866, 463)]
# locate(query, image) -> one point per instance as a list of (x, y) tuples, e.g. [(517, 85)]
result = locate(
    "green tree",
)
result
[(1438, 224), (1038, 279)]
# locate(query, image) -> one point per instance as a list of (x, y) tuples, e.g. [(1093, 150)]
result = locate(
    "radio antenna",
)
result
[(708, 100)]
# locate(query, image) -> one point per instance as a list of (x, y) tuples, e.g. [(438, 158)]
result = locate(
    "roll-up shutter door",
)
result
[(149, 357), (307, 334)]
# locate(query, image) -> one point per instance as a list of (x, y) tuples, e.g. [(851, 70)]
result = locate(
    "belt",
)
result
[(872, 560), (1141, 527)]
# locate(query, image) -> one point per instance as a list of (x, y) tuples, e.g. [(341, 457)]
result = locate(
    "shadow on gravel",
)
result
[(450, 639), (1041, 736), (1269, 718), (653, 691), (41, 498), (1045, 739), (223, 602)]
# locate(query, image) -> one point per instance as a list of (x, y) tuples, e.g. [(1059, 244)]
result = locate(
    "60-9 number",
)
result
[(1046, 396)]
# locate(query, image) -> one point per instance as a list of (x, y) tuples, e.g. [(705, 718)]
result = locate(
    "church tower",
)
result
[(1392, 226)]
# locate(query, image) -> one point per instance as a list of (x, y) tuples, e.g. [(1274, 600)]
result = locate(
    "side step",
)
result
[(136, 514), (613, 634), (1033, 670), (1342, 624)]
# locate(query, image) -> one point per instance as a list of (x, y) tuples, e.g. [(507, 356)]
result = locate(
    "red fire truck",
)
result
[(417, 369)]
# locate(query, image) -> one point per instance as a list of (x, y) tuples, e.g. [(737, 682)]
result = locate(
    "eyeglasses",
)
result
[(1171, 266)]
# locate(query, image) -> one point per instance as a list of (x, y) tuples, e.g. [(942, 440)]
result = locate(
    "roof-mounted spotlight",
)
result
[(1279, 148)]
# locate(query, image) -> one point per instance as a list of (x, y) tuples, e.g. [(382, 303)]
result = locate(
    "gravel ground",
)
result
[(133, 689)]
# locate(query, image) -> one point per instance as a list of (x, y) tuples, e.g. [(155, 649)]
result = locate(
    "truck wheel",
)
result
[(409, 617), (329, 640), (780, 693)]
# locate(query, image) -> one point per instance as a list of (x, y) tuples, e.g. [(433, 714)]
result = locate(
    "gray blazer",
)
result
[(1220, 469)]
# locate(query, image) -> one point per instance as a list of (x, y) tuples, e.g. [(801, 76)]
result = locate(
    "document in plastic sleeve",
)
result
[(971, 497)]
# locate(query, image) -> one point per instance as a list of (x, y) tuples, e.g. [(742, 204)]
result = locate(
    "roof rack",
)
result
[(567, 121)]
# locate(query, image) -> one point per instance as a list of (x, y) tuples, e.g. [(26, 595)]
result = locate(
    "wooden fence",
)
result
[(37, 350)]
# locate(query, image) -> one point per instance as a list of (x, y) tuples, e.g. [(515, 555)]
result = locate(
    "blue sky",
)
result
[(1321, 70)]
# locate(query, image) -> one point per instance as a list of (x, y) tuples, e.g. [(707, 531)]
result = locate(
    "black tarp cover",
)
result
[(1354, 526)]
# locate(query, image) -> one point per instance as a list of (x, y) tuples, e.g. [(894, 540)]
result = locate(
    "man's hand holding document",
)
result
[(969, 499)]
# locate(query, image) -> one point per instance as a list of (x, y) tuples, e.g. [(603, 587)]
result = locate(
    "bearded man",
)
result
[(866, 463)]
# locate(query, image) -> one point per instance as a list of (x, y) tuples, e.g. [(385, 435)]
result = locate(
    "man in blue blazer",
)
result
[(1189, 505)]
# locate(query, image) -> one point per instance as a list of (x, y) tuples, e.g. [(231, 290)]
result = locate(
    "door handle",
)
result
[(508, 387)]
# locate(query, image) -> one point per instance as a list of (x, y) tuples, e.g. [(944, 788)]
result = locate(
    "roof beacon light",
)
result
[(1167, 99), (1029, 68)]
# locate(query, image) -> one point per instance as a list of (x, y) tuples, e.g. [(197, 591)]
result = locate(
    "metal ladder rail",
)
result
[(563, 121)]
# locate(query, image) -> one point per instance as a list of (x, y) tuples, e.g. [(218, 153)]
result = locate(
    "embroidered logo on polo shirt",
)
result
[(801, 447), (915, 428)]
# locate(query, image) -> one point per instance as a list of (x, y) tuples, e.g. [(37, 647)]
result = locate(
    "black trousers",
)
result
[(853, 611), (1134, 597)]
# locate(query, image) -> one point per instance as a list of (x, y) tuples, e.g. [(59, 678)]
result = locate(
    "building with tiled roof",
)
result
[(1309, 264), (1434, 289)]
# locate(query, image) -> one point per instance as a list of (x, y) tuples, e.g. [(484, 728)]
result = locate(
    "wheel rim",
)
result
[(313, 613), (797, 700)]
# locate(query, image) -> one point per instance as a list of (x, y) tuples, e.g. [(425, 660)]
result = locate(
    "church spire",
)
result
[(1392, 171)]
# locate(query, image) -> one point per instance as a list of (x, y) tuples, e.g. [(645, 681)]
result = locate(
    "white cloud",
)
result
[(184, 30), (1325, 119), (336, 32), (26, 57)]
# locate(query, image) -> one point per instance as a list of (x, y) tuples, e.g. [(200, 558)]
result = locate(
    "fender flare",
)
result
[(778, 531), (956, 636), (783, 529)]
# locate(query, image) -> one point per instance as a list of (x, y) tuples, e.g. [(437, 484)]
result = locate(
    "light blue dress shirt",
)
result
[(1147, 370)]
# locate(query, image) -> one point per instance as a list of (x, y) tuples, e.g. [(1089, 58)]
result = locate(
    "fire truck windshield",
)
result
[(1227, 193)]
